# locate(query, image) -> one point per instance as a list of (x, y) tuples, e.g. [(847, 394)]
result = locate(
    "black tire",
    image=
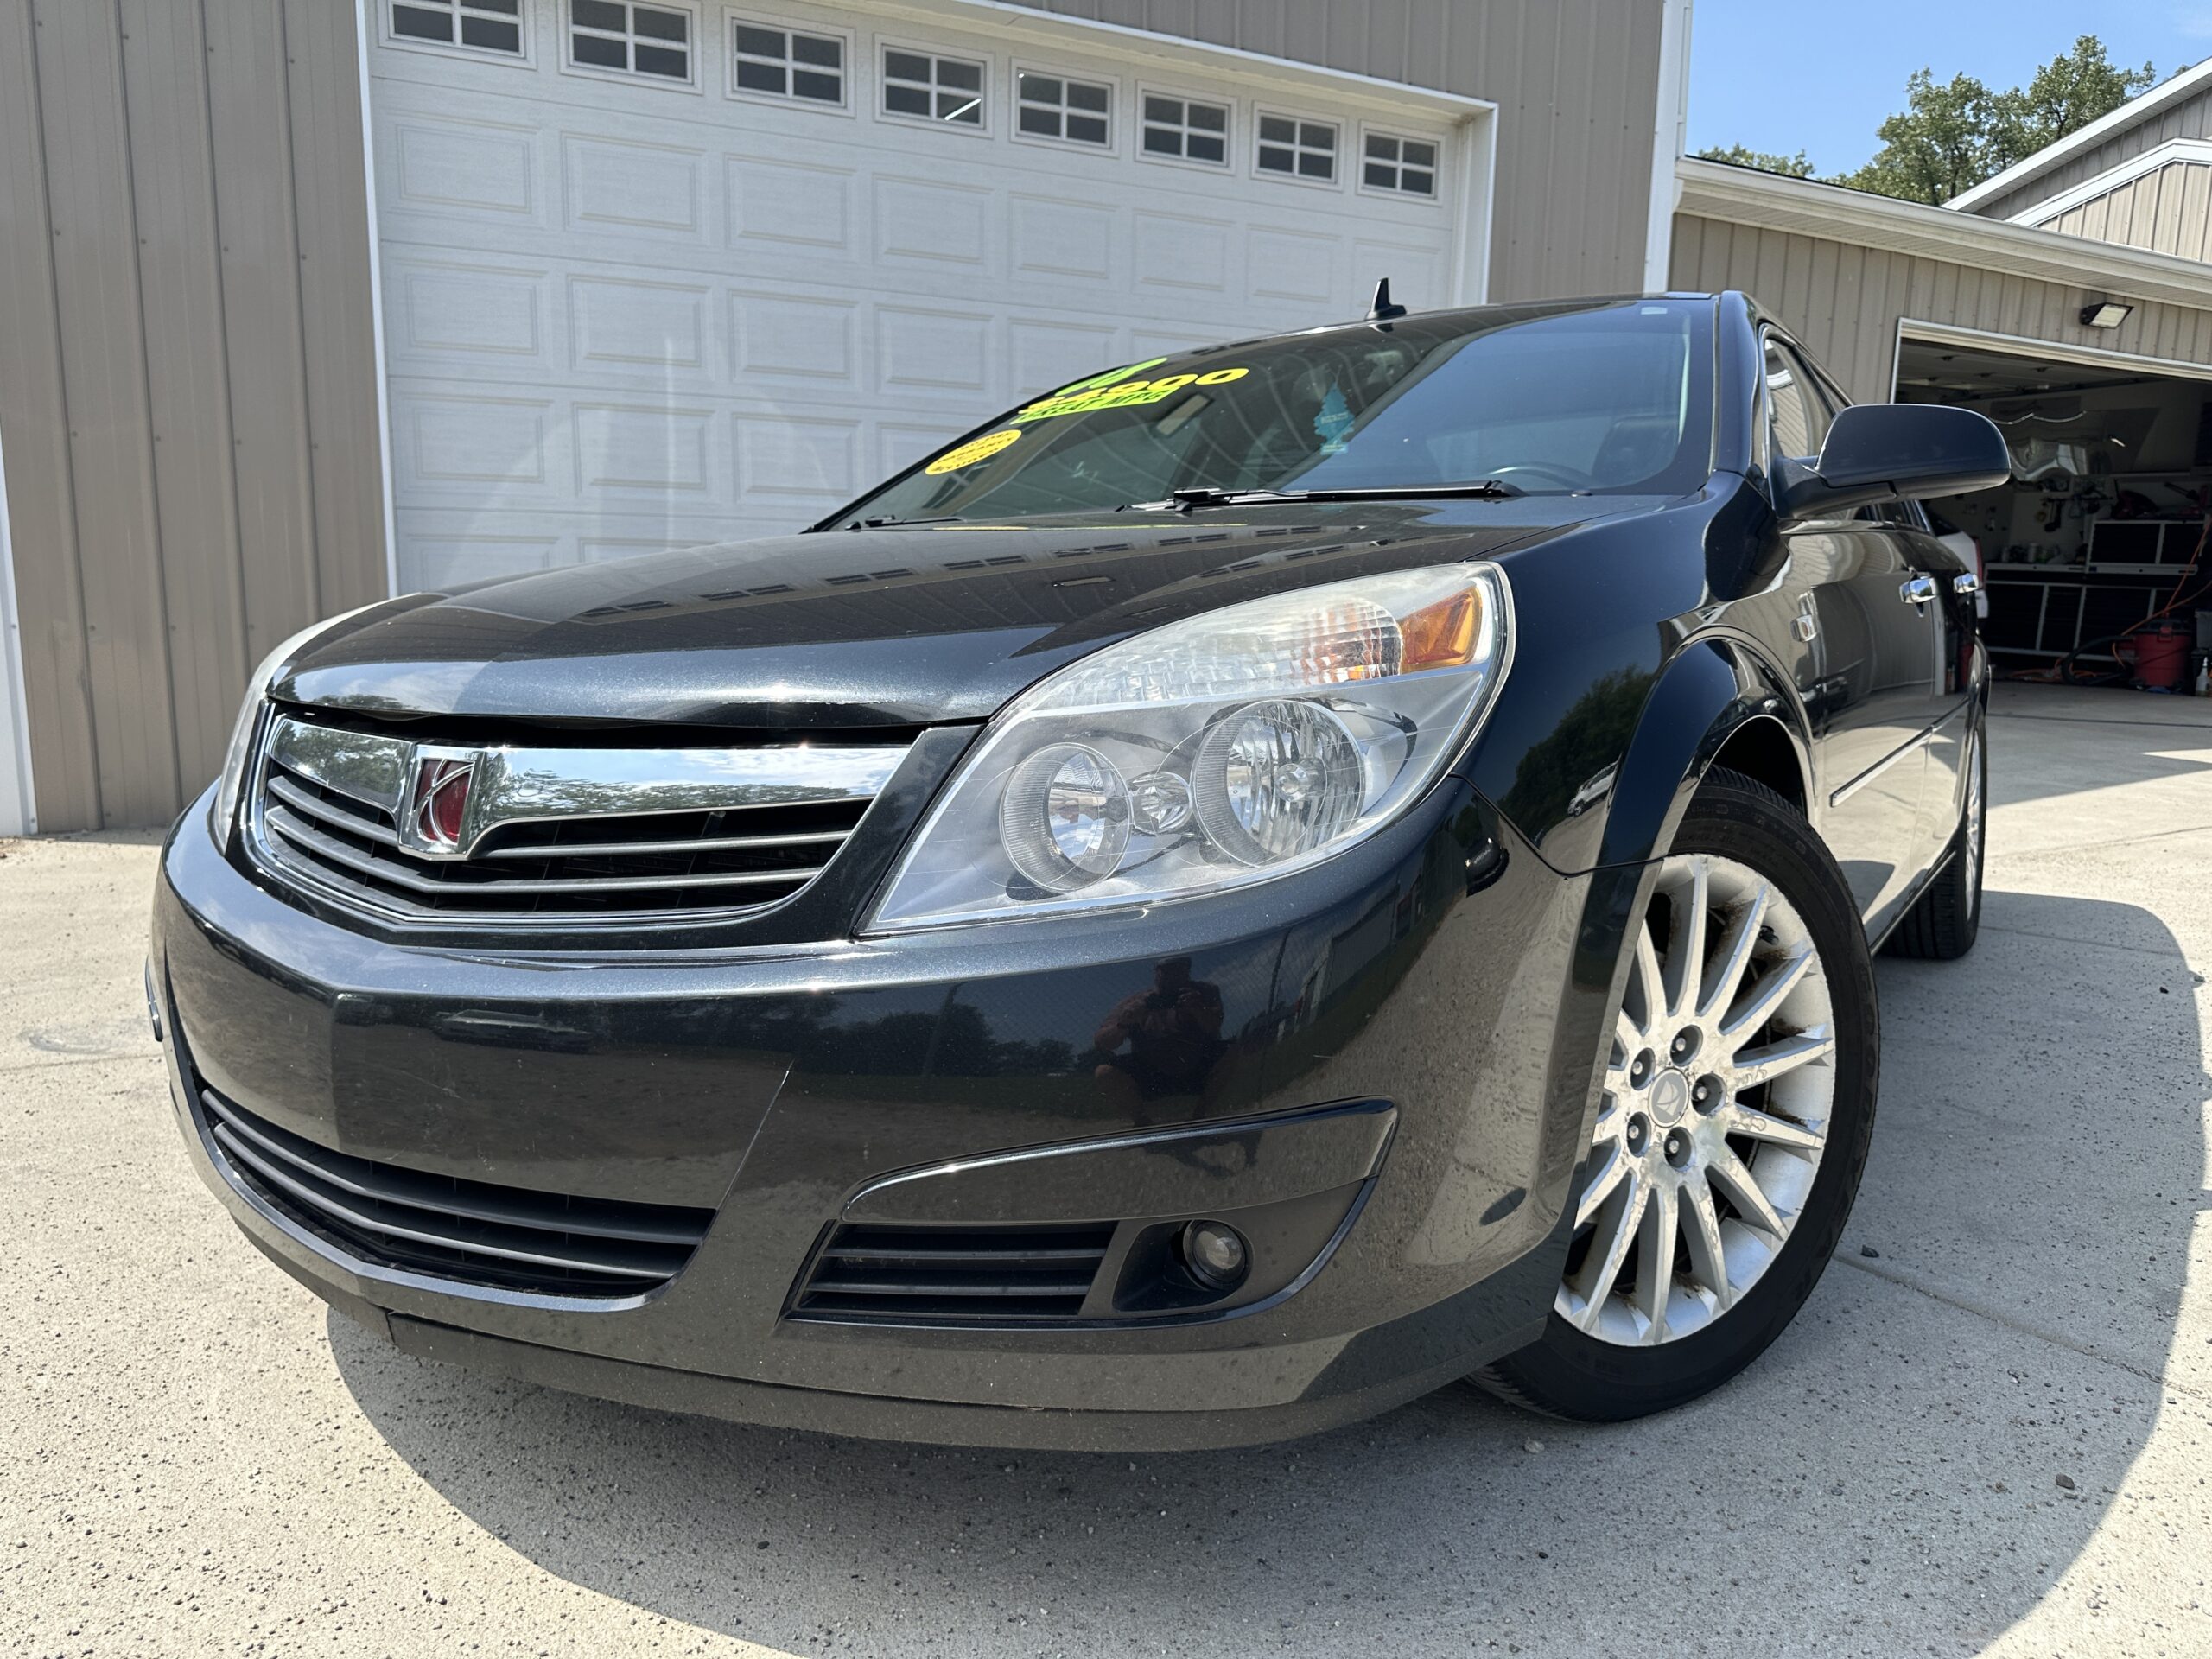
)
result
[(1945, 920), (1569, 1374)]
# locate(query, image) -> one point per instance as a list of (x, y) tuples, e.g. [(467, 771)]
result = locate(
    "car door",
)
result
[(1952, 614), (1874, 617)]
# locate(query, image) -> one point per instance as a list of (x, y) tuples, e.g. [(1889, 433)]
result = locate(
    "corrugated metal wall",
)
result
[(2190, 119), (188, 384), (1576, 82), (2168, 211), (1844, 300)]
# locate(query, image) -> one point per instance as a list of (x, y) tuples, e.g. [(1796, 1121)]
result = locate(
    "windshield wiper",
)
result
[(1488, 489)]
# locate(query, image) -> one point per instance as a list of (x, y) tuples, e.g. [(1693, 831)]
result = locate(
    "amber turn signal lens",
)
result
[(1442, 635)]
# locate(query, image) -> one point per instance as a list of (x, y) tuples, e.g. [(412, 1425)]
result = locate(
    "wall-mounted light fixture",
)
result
[(2105, 313)]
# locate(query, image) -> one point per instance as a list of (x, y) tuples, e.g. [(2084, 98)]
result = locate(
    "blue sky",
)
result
[(1784, 75)]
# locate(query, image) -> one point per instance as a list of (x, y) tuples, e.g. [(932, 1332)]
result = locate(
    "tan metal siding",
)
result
[(1576, 82), (2164, 211), (1844, 300), (188, 382), (35, 418), (78, 51), (2190, 119), (186, 375)]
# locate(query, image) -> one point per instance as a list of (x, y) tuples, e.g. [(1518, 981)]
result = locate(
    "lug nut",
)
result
[(1638, 1133), (1685, 1045)]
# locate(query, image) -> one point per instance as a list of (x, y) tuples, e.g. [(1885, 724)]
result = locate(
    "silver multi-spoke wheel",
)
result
[(1717, 1103)]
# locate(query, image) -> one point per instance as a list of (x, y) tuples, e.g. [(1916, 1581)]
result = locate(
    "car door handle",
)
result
[(1918, 591), (1969, 583)]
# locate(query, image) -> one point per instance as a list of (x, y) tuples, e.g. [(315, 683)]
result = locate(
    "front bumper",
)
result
[(1440, 987)]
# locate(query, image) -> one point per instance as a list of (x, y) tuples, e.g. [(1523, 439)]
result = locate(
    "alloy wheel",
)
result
[(1718, 1095)]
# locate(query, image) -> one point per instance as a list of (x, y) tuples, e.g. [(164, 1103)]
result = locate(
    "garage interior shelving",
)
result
[(2100, 525)]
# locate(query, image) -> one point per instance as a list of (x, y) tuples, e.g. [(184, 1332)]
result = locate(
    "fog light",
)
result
[(1216, 1254)]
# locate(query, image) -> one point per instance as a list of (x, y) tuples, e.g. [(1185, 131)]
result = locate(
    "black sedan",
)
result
[(1250, 886)]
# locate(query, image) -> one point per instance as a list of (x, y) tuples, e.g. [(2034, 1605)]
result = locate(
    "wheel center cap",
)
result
[(1670, 1098)]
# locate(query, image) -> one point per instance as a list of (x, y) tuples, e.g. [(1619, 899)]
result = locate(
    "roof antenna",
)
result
[(1383, 309)]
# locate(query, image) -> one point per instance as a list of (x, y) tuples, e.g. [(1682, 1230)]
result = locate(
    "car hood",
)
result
[(891, 627)]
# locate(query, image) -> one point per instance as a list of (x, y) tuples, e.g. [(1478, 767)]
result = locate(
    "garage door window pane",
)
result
[(939, 89), (787, 63), (491, 35), (487, 25), (1051, 106), (1186, 129), (643, 39), (601, 53), (418, 23), (1305, 149), (1405, 165)]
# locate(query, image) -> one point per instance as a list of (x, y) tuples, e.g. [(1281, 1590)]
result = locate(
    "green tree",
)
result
[(1936, 146), (1794, 167), (2065, 94), (1953, 134)]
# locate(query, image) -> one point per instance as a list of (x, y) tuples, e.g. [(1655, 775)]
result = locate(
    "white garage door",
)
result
[(656, 275)]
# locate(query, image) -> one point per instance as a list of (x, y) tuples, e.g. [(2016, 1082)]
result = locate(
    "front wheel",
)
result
[(1738, 1102)]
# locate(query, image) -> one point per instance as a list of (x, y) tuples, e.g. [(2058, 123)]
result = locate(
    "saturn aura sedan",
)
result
[(1246, 888)]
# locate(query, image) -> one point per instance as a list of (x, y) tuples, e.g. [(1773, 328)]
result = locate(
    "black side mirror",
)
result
[(1888, 452)]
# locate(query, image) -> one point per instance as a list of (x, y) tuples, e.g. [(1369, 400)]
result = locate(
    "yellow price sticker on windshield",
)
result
[(968, 454), (1122, 394)]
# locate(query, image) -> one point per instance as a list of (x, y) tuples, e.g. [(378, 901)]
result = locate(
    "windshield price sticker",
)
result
[(968, 454), (1084, 399)]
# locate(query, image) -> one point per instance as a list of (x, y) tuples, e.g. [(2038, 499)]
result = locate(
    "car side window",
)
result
[(1797, 412)]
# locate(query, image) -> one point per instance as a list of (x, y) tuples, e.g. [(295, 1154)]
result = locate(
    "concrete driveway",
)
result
[(1990, 1431)]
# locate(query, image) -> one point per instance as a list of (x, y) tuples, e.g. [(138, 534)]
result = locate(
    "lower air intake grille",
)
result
[(502, 1236), (1018, 1275)]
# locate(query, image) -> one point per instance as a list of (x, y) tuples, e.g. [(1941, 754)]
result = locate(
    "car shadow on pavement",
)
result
[(1910, 1468)]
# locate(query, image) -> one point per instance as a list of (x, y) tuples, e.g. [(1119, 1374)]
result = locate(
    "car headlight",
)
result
[(1228, 748), (223, 815)]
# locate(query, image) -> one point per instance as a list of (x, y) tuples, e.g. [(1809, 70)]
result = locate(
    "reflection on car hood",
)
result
[(888, 627)]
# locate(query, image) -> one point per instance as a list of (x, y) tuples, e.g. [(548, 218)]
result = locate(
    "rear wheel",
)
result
[(1944, 922), (1739, 1100)]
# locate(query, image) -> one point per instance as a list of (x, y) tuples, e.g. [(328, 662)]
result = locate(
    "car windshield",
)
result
[(1609, 399)]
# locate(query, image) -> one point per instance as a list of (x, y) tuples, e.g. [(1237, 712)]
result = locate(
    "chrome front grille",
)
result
[(473, 1232), (542, 834)]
